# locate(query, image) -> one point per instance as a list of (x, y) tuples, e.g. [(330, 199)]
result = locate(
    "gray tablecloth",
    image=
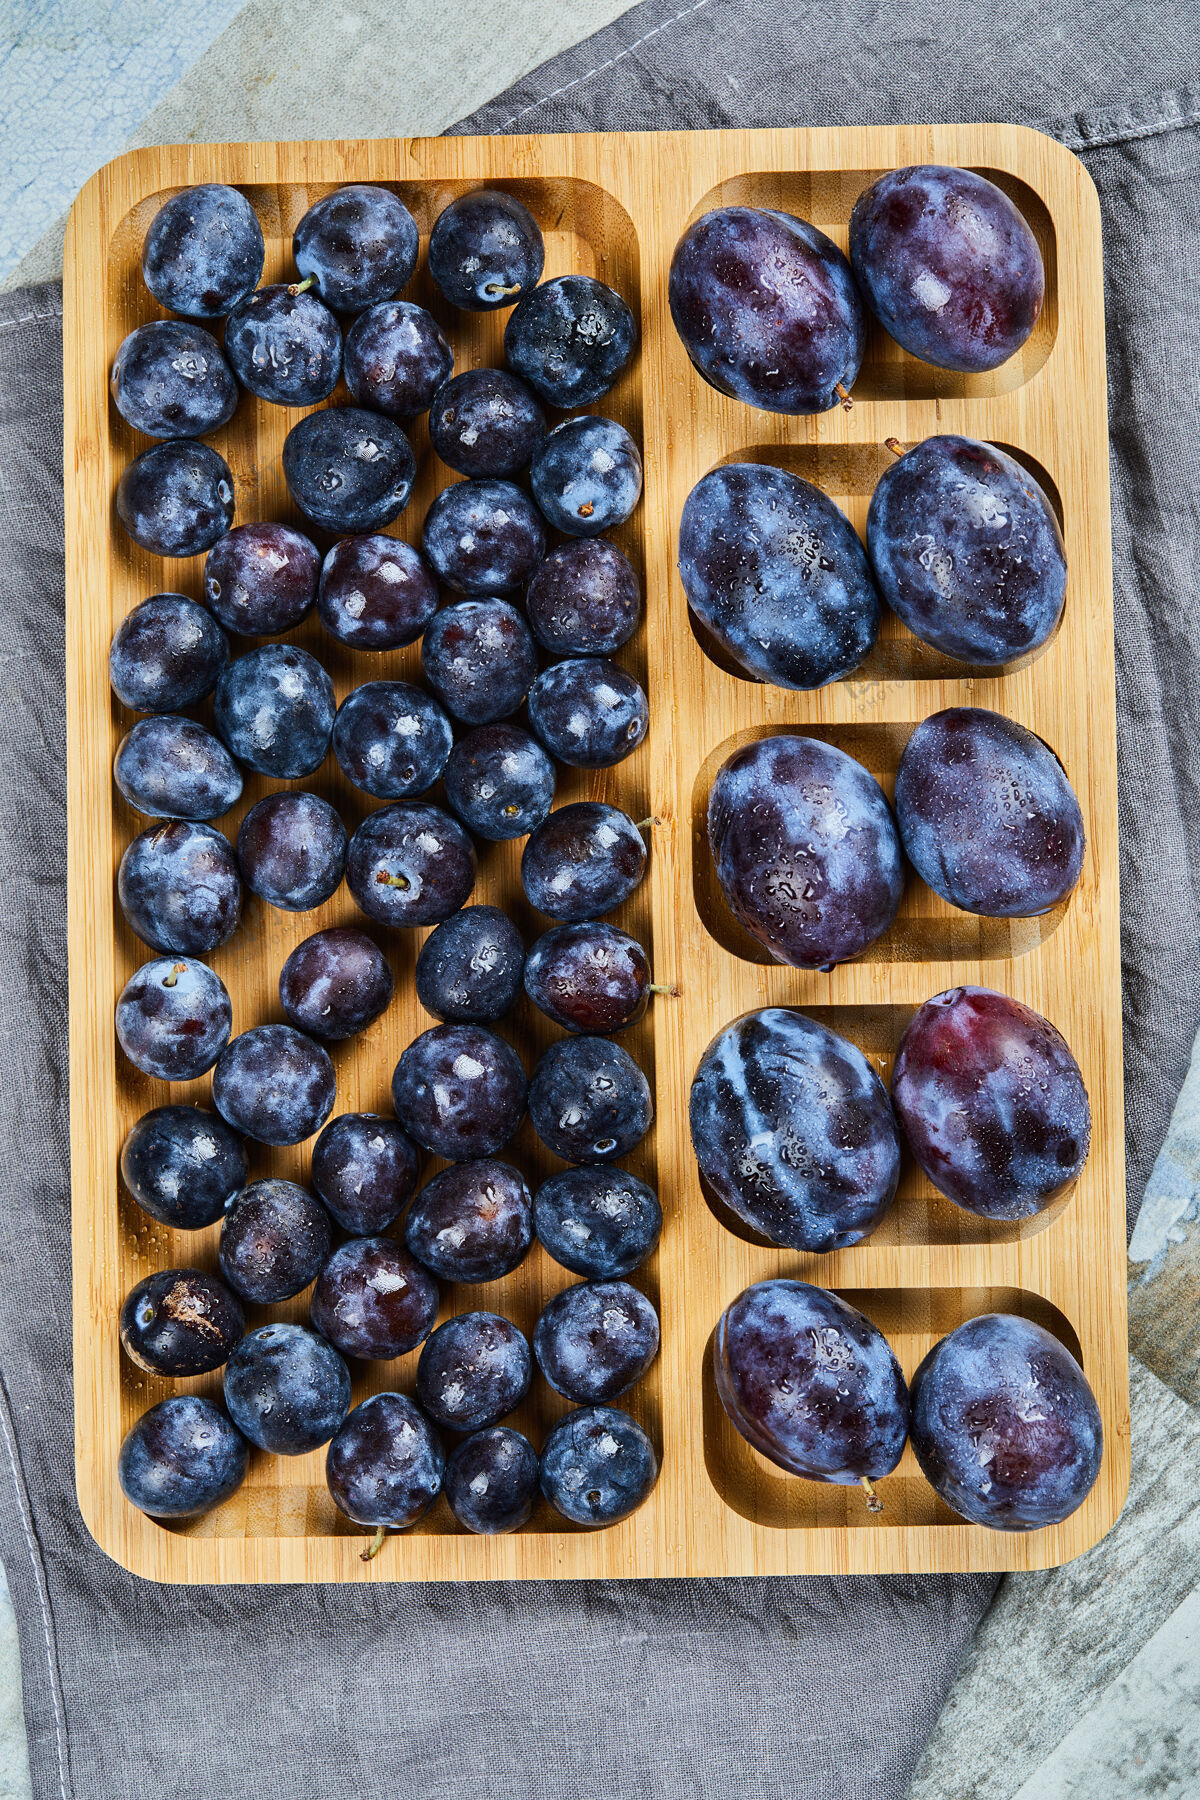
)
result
[(801, 1690)]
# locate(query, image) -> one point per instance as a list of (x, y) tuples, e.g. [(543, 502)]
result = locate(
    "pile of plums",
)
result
[(373, 1246)]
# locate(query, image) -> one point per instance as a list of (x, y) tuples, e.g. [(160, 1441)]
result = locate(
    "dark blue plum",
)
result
[(570, 339), (176, 499), (583, 861), (183, 1166), (589, 1101), (171, 381), (967, 550), (335, 983), (172, 768), (584, 599), (291, 850), (179, 887), (473, 1222), (274, 1085), (459, 1092), (284, 345), (174, 1018), (260, 580), (376, 593), (204, 250), (491, 1481), (183, 1457), (588, 978), (485, 250), (397, 358), (410, 864), (991, 1103), (474, 1369), (274, 1241), (479, 659), (794, 1132), (812, 1384), (597, 1466), (485, 422), (469, 969), (1005, 1425), (766, 307), (348, 470), (365, 1170), (274, 709), (806, 850), (384, 1466), (374, 1302), (587, 476), (948, 266), (483, 537), (167, 653), (180, 1322), (588, 712), (597, 1221), (987, 815), (391, 739), (594, 1341), (500, 782), (357, 246), (287, 1390), (775, 573)]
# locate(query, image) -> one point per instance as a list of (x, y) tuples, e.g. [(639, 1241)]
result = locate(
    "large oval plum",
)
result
[(1005, 1425), (987, 815), (775, 571), (991, 1103), (811, 1383), (967, 550), (806, 850), (767, 309), (794, 1132)]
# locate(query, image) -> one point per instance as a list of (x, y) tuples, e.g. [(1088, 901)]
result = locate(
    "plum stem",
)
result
[(375, 1545), (894, 445), (383, 879), (302, 287), (177, 970), (493, 288), (658, 987), (874, 1503), (843, 395), (645, 824)]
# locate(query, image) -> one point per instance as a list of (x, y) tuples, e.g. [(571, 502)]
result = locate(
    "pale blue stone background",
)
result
[(76, 77)]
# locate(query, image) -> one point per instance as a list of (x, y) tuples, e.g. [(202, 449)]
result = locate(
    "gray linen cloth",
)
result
[(775, 1690)]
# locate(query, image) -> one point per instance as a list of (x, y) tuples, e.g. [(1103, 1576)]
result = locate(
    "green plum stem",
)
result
[(874, 1503), (302, 287), (375, 1545)]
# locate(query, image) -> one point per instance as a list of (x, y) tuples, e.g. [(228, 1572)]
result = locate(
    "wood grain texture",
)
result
[(615, 206)]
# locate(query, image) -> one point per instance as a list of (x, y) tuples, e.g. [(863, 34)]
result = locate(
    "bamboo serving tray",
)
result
[(614, 206)]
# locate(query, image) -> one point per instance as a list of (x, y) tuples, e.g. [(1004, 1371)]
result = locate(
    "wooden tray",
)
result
[(614, 206)]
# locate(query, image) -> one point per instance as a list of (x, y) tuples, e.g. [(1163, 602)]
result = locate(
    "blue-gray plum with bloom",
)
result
[(166, 654), (596, 1340), (291, 850), (486, 250), (570, 339), (499, 782), (585, 599), (176, 499), (485, 422), (473, 1371), (203, 252), (587, 476), (480, 659), (183, 1166), (469, 969), (357, 246), (287, 1389), (583, 861), (459, 1092), (410, 864), (284, 345), (597, 1220), (349, 470), (491, 1480), (397, 357), (179, 887), (589, 712), (483, 537), (384, 1465), (274, 1084), (170, 767), (181, 1458), (391, 739), (589, 1101), (597, 1466), (174, 1018), (274, 709), (364, 1168), (170, 380)]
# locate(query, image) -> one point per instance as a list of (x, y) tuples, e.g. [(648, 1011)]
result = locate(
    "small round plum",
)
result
[(260, 580), (274, 709), (176, 499), (588, 978), (167, 653), (589, 1101), (805, 849), (473, 1371), (483, 537), (384, 1466), (169, 767), (479, 658), (597, 1466), (459, 1092), (1005, 1425), (183, 1166), (587, 476), (391, 739), (285, 346), (183, 1457), (471, 1223), (203, 252), (348, 470), (583, 861), (588, 712), (179, 888), (376, 593), (597, 1221), (292, 851), (180, 1322), (174, 1018), (287, 1390), (372, 1301), (584, 599), (491, 1480), (410, 864), (570, 339), (397, 358), (335, 983), (274, 1241), (500, 782), (274, 1085), (357, 246), (485, 250), (594, 1341), (794, 1132), (485, 422), (469, 969), (171, 381), (364, 1168)]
